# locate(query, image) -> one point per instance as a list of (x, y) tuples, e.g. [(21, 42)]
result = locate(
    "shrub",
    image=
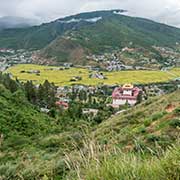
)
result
[(157, 116), (152, 138), (177, 111), (142, 129), (147, 122), (175, 123)]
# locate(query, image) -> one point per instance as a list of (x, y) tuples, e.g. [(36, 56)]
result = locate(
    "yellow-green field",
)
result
[(62, 77)]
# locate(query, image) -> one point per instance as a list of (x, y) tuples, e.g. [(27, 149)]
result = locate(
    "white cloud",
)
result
[(166, 11)]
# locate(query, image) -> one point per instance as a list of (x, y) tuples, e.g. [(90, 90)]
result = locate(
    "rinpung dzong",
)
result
[(126, 94)]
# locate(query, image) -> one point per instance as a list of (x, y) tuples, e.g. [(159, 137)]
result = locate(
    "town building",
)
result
[(127, 94), (90, 111), (62, 104)]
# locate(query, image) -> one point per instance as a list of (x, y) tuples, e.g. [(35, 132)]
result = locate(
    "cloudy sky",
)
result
[(166, 11)]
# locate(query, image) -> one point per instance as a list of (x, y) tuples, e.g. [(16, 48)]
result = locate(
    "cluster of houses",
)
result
[(115, 66), (62, 94), (138, 58), (110, 62), (127, 94), (171, 56), (4, 50), (114, 61), (37, 72), (9, 57)]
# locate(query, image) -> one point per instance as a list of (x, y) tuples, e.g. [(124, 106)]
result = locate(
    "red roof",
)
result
[(118, 93), (62, 103)]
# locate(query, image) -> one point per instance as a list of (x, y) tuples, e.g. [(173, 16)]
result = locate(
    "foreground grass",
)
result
[(93, 163), (121, 166), (62, 77), (140, 144)]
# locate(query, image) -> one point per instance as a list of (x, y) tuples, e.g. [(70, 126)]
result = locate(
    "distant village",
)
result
[(10, 57), (127, 58), (124, 59)]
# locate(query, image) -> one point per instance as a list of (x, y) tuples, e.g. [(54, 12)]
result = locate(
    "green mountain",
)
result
[(38, 37), (74, 37), (113, 32)]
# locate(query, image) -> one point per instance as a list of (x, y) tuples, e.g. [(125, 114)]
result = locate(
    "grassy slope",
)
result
[(34, 148), (134, 145), (120, 166), (63, 77), (143, 123)]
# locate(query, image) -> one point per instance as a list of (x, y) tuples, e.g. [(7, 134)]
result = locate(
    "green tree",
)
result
[(30, 91)]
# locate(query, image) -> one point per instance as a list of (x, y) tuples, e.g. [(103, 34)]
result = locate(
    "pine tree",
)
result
[(30, 92)]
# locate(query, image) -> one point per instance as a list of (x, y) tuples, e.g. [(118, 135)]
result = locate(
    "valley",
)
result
[(62, 76), (92, 96)]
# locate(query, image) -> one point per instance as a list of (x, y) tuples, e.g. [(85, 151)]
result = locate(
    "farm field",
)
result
[(63, 77)]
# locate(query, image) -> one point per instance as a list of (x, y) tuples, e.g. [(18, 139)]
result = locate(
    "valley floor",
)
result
[(63, 77)]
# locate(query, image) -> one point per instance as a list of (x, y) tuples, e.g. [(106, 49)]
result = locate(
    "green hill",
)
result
[(142, 143), (153, 121), (134, 144), (19, 117)]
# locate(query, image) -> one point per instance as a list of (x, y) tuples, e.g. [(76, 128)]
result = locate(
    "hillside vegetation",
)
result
[(133, 145), (142, 143), (19, 117), (148, 123), (32, 145), (113, 32)]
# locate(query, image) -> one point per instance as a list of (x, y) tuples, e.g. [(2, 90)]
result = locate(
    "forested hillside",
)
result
[(74, 37), (111, 33)]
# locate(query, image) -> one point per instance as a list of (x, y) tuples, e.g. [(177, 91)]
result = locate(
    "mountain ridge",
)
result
[(114, 33), (90, 33), (56, 29)]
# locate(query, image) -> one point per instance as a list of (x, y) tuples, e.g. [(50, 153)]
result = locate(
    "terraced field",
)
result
[(63, 77)]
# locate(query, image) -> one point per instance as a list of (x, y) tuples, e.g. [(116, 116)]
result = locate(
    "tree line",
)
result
[(43, 95)]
